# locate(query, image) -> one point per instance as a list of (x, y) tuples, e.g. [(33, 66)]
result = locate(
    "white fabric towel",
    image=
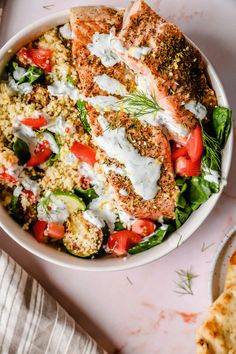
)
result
[(31, 321)]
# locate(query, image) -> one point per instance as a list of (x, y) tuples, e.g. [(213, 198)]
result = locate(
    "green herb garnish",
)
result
[(83, 115), (138, 104), (184, 285), (212, 147)]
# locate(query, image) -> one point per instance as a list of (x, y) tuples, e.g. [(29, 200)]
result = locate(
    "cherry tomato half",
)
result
[(41, 57), (42, 154), (182, 151), (84, 152), (143, 227), (194, 144), (119, 242), (55, 230), (39, 228), (35, 123), (6, 177), (186, 167)]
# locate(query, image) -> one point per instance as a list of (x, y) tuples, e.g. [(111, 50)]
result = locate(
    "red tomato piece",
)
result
[(186, 167), (84, 152), (182, 151), (23, 56), (39, 228), (143, 227), (35, 123), (41, 57), (119, 242), (6, 177), (195, 145), (55, 230), (42, 154)]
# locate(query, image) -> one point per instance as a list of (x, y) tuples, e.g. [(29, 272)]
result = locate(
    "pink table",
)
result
[(138, 311)]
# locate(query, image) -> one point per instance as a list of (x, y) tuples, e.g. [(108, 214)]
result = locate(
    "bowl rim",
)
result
[(15, 231), (216, 256)]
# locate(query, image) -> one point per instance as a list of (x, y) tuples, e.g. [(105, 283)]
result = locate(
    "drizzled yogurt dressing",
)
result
[(143, 172), (110, 85), (101, 46)]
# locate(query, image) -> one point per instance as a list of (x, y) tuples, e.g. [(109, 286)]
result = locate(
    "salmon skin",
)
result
[(173, 67), (149, 141)]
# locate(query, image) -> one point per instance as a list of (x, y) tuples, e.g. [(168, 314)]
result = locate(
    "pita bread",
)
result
[(217, 334)]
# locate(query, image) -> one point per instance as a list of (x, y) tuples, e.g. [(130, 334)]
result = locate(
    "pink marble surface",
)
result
[(138, 311)]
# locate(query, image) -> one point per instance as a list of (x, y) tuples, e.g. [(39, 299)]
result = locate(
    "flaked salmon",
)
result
[(135, 147)]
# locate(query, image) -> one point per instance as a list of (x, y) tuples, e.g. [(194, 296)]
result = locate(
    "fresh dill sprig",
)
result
[(138, 104), (212, 150), (184, 285)]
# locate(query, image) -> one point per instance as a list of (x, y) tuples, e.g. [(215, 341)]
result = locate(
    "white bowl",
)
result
[(107, 263)]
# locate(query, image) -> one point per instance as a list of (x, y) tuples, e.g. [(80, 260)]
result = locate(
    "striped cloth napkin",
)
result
[(31, 321)]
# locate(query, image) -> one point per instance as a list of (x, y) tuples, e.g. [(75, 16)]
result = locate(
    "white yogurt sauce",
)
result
[(110, 85), (17, 191), (18, 73), (123, 192), (101, 47), (138, 52), (52, 142), (66, 31), (197, 109), (119, 170), (91, 216), (59, 126), (126, 219), (30, 185), (24, 88), (211, 175), (60, 88), (58, 211), (143, 172), (104, 103)]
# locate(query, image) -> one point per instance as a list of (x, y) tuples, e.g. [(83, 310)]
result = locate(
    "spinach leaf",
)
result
[(16, 210), (21, 150), (86, 194), (118, 224), (32, 74), (83, 115), (70, 80), (181, 215), (221, 122), (199, 192), (151, 241)]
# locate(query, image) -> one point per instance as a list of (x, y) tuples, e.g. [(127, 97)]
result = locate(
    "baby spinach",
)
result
[(221, 122), (21, 150), (151, 241), (86, 194), (83, 115)]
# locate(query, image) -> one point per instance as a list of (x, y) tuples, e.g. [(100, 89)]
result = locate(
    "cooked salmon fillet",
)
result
[(147, 140), (174, 68)]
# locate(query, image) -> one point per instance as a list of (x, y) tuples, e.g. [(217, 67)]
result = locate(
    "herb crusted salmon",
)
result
[(107, 145), (149, 142), (174, 70)]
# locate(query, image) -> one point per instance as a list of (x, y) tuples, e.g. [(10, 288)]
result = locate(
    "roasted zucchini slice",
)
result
[(82, 239)]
